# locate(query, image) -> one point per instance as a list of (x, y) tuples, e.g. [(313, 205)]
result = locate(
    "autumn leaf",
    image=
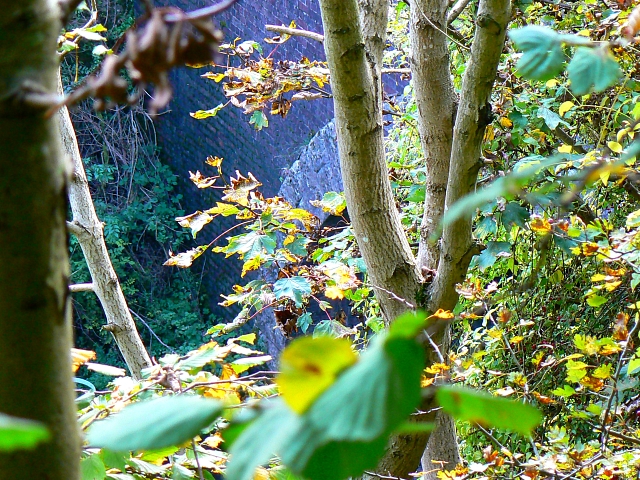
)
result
[(240, 188), (441, 314), (196, 221), (185, 259), (540, 225), (80, 357), (200, 180)]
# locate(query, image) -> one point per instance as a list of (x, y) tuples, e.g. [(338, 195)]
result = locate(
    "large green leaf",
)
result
[(92, 468), (542, 56), (487, 410), (275, 425), (294, 288), (348, 426), (155, 423), (592, 69), (345, 430), (17, 433)]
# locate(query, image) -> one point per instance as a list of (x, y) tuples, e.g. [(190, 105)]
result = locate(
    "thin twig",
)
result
[(393, 296), (202, 12)]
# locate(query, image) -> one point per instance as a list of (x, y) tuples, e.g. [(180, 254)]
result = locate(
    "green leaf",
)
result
[(154, 424), (565, 391), (596, 300), (551, 118), (304, 322), (351, 421), (92, 468), (487, 410), (592, 69), (259, 120), (18, 433), (261, 439), (416, 194), (308, 366), (634, 366), (514, 214), (294, 288), (490, 254), (542, 57)]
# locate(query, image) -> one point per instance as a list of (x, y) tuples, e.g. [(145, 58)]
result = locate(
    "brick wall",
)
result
[(186, 142)]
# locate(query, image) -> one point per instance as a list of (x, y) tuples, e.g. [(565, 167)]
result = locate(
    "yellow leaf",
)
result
[(216, 77), (565, 107), (212, 441), (308, 366), (441, 314), (604, 176), (565, 148), (80, 357), (614, 147), (505, 122), (334, 292), (437, 368), (489, 134), (551, 83), (515, 340), (540, 225)]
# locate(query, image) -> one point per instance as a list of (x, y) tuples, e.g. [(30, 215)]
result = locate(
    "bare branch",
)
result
[(202, 13), (456, 10), (295, 32), (81, 287)]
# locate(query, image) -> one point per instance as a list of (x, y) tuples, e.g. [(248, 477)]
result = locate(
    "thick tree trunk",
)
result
[(357, 103), (88, 229), (358, 110), (35, 329)]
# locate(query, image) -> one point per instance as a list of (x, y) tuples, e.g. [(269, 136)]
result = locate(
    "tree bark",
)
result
[(458, 247), (358, 111), (88, 229), (435, 99), (452, 157), (35, 328)]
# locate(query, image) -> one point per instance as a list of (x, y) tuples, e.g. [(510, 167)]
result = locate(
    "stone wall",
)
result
[(186, 142)]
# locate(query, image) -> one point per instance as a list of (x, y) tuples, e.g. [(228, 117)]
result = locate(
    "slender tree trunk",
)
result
[(358, 111), (88, 229), (35, 329), (435, 99)]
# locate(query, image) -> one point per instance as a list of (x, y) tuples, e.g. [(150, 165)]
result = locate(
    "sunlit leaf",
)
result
[(294, 288), (20, 433), (201, 114), (308, 366)]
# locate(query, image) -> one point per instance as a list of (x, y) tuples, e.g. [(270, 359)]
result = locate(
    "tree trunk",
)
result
[(452, 156), (88, 229), (370, 203), (435, 99), (35, 328)]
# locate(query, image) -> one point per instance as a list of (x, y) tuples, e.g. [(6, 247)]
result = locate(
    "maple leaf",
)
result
[(240, 188)]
